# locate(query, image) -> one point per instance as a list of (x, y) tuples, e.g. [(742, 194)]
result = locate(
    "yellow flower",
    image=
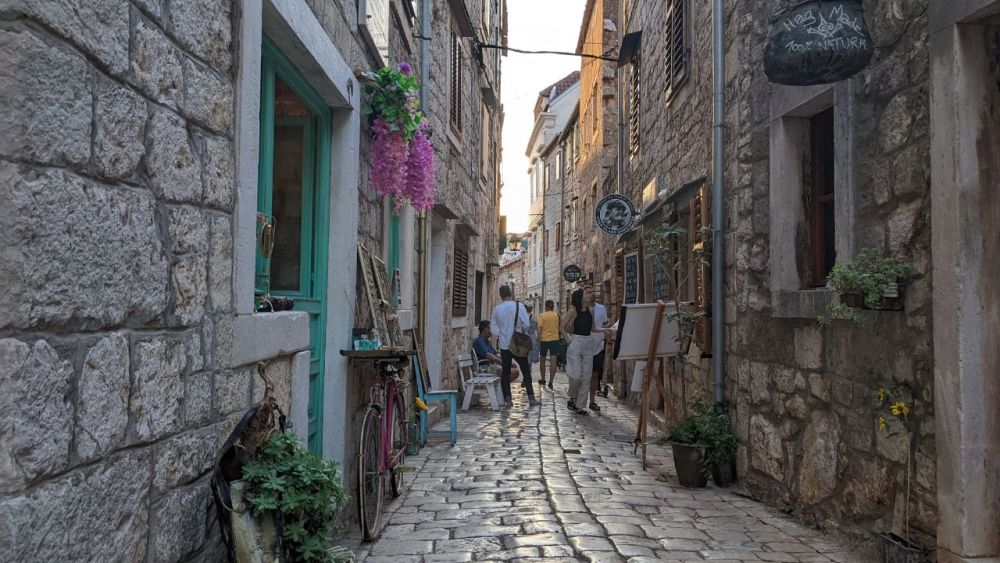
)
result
[(882, 393), (882, 423), (900, 409)]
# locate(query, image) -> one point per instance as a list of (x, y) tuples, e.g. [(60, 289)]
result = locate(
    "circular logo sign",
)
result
[(615, 214), (572, 273)]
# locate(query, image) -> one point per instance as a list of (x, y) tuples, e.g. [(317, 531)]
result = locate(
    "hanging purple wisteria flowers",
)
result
[(402, 157)]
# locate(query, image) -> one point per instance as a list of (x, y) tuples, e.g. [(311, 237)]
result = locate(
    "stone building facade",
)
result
[(805, 396), (131, 155), (598, 125), (552, 196)]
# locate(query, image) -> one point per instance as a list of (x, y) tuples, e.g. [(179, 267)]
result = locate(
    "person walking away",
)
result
[(533, 335), (579, 323), (600, 320), (550, 345), (508, 317)]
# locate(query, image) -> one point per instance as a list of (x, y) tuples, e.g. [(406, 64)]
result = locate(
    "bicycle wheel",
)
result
[(371, 482), (397, 424)]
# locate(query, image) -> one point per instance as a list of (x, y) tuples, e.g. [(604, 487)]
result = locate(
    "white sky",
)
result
[(550, 25)]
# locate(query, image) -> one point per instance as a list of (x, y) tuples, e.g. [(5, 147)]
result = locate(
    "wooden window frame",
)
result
[(678, 49), (822, 140), (634, 107), (460, 277), (456, 60)]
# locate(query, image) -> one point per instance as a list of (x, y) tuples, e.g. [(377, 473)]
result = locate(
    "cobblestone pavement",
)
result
[(544, 484)]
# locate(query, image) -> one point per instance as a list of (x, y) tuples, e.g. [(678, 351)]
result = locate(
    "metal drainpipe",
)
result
[(718, 204), (425, 71)]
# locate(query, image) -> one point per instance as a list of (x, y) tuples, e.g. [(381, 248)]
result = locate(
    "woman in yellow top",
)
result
[(548, 336)]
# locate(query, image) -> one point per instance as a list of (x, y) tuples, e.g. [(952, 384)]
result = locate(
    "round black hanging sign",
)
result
[(615, 214), (817, 42), (572, 273)]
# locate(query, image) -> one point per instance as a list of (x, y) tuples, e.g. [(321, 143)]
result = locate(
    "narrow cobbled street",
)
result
[(544, 484)]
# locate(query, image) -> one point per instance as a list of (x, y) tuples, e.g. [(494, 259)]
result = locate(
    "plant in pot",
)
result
[(894, 409), (304, 491), (703, 444), (872, 281)]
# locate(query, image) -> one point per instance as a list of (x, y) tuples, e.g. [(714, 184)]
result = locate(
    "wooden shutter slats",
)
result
[(460, 279)]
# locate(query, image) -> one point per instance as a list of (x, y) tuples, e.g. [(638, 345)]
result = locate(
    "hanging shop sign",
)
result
[(572, 273), (615, 214), (817, 42)]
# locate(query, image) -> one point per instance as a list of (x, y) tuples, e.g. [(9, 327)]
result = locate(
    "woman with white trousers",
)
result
[(579, 323)]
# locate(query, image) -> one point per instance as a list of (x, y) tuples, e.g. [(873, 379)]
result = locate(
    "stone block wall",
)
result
[(117, 168), (117, 176), (806, 396)]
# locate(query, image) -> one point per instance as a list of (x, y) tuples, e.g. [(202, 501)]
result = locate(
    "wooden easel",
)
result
[(642, 432)]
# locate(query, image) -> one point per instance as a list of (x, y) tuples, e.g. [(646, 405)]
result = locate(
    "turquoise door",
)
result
[(294, 190)]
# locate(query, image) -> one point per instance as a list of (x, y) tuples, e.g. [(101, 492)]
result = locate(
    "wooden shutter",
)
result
[(676, 28), (460, 278), (634, 104), (455, 85), (701, 275)]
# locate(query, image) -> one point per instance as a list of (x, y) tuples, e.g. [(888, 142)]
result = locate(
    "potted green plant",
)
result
[(894, 409), (720, 454), (703, 444), (872, 281), (303, 491)]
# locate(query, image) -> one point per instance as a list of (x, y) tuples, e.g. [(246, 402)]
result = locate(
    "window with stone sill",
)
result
[(811, 194)]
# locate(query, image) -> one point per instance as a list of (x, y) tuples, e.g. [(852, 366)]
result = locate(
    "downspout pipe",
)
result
[(425, 74), (718, 201)]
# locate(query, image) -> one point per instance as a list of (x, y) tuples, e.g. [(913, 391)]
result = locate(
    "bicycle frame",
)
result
[(383, 398), (390, 455)]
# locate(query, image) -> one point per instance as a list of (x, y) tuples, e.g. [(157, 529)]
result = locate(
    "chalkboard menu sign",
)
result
[(817, 42), (631, 278), (661, 277)]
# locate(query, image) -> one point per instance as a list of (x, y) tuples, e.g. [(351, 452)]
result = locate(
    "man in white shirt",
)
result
[(510, 316), (600, 320)]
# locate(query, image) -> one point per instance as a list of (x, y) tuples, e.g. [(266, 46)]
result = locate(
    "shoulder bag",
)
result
[(520, 343)]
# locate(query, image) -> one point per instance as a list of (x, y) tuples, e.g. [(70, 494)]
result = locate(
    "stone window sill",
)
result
[(459, 322), (262, 336), (801, 304)]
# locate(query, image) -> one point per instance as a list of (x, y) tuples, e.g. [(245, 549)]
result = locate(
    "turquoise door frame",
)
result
[(311, 295)]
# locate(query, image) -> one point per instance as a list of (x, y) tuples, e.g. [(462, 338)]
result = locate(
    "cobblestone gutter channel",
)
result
[(546, 485)]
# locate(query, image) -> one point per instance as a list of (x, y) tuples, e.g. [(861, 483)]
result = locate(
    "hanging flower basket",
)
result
[(402, 157), (817, 42)]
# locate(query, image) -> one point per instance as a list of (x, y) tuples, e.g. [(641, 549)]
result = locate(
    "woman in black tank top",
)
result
[(579, 357)]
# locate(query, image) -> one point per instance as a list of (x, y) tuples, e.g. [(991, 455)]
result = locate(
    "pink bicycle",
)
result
[(382, 449)]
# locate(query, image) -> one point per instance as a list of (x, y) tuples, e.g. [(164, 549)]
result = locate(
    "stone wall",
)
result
[(117, 166), (598, 127), (806, 396)]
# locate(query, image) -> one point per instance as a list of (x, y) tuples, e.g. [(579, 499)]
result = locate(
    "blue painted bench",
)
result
[(431, 397)]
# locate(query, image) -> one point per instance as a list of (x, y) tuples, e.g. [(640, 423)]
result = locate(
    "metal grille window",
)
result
[(634, 104), (677, 42), (455, 84), (460, 278)]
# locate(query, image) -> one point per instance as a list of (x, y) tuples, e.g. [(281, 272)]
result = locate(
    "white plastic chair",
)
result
[(474, 382)]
